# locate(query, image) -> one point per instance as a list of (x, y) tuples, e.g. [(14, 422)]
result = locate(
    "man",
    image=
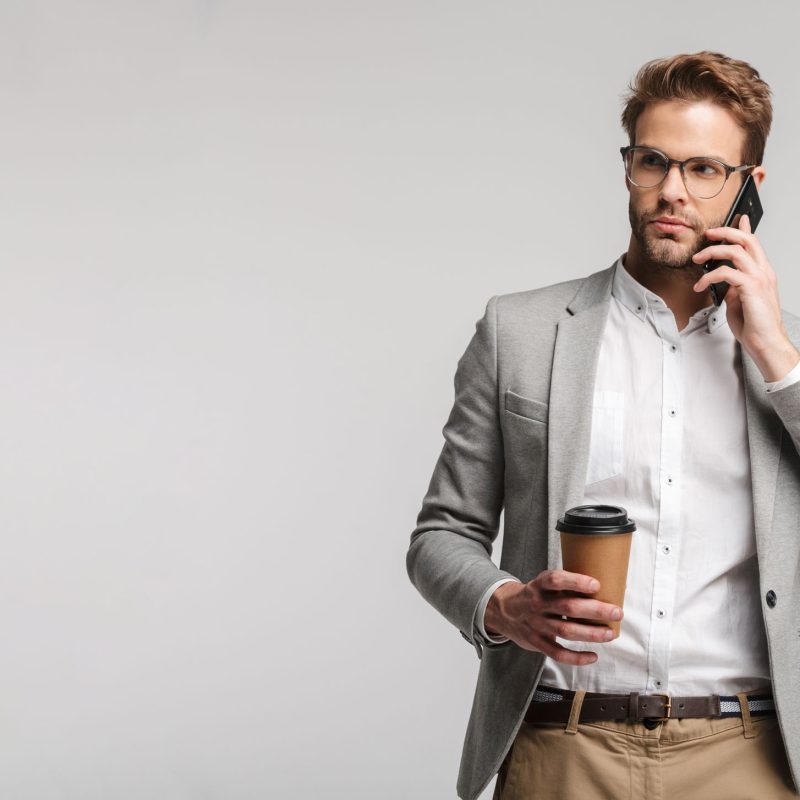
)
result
[(631, 388)]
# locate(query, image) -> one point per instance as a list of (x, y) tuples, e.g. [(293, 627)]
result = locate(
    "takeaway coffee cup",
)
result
[(596, 541)]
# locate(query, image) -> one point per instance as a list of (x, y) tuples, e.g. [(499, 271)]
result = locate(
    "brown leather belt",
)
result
[(635, 707)]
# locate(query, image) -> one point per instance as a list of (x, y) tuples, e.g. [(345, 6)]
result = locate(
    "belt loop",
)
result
[(575, 712), (747, 722), (633, 707)]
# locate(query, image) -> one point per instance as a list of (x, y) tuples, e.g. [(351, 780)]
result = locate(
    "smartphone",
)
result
[(746, 202)]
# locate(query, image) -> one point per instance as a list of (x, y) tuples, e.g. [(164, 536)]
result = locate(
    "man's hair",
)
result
[(732, 84)]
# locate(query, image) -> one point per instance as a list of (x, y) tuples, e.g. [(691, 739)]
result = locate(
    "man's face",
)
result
[(682, 130)]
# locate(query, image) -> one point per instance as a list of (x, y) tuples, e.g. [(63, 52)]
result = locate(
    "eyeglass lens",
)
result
[(703, 177)]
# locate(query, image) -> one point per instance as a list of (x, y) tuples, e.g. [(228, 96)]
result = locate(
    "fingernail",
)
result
[(609, 634), (594, 586), (616, 614)]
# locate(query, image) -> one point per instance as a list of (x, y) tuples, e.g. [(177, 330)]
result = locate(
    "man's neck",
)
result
[(673, 286)]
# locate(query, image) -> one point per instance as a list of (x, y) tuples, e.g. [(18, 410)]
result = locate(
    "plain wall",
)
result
[(243, 248)]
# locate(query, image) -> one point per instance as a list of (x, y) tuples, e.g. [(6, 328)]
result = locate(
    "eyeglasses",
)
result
[(704, 177)]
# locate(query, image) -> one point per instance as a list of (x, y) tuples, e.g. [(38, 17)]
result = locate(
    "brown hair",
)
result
[(730, 83)]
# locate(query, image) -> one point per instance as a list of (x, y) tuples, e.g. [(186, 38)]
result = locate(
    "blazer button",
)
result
[(772, 598)]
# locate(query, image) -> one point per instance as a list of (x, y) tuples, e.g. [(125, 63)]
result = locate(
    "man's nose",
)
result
[(673, 189)]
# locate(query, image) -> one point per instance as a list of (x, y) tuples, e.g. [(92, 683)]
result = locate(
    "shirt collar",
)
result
[(641, 302)]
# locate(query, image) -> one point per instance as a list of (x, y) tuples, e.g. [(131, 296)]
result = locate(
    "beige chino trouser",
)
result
[(706, 758)]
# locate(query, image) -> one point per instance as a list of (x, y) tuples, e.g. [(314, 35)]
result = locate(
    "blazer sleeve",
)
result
[(449, 556)]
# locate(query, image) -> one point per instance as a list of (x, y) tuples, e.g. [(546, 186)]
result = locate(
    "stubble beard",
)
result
[(661, 252)]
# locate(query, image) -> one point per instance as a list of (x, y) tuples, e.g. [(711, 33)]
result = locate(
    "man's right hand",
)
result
[(531, 615)]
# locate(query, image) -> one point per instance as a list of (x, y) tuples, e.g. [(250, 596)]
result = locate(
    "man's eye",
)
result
[(652, 161), (704, 169)]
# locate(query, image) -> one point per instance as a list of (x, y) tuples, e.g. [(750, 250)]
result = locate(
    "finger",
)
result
[(583, 608), (556, 580), (578, 658), (744, 224), (732, 276), (577, 632), (729, 234), (731, 252), (741, 236)]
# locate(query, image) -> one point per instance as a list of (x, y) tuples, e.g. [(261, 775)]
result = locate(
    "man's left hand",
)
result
[(753, 306)]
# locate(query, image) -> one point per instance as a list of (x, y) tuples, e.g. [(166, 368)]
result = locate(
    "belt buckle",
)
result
[(667, 707)]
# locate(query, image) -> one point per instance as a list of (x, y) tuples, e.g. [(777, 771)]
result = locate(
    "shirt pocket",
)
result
[(607, 447)]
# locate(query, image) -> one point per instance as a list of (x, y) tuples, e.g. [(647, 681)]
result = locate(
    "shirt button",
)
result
[(667, 549), (672, 412), (673, 347), (669, 480), (772, 598), (661, 613), (658, 683)]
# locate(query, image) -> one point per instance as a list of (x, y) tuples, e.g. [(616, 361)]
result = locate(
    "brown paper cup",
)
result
[(603, 557), (596, 541)]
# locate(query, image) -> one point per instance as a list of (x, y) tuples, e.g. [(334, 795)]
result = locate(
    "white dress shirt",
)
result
[(669, 444)]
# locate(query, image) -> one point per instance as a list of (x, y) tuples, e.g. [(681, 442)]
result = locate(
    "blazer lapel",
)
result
[(575, 357), (764, 432)]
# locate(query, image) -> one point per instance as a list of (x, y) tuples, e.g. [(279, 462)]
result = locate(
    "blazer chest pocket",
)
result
[(607, 447), (526, 407)]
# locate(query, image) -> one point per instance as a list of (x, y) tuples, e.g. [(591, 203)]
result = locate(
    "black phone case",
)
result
[(746, 202)]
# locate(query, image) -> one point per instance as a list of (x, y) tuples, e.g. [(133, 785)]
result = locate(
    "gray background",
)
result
[(243, 247)]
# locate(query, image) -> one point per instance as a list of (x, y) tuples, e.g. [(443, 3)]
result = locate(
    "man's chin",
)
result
[(665, 251)]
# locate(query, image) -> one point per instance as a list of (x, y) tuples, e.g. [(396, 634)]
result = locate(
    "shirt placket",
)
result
[(668, 533)]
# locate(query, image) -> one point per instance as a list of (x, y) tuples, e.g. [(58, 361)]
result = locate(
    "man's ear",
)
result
[(759, 173)]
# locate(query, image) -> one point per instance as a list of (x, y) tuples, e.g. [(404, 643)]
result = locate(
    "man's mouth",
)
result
[(670, 225)]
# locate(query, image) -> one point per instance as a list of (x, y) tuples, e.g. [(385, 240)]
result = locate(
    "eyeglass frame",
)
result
[(729, 170)]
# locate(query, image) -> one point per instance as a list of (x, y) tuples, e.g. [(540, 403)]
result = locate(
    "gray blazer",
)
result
[(518, 437)]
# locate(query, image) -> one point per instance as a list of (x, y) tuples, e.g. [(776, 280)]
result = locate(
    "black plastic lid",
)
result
[(596, 519)]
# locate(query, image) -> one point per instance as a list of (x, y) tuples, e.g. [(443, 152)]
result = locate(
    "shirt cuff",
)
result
[(481, 610), (787, 380)]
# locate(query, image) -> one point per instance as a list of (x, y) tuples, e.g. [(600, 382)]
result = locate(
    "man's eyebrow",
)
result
[(703, 155)]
